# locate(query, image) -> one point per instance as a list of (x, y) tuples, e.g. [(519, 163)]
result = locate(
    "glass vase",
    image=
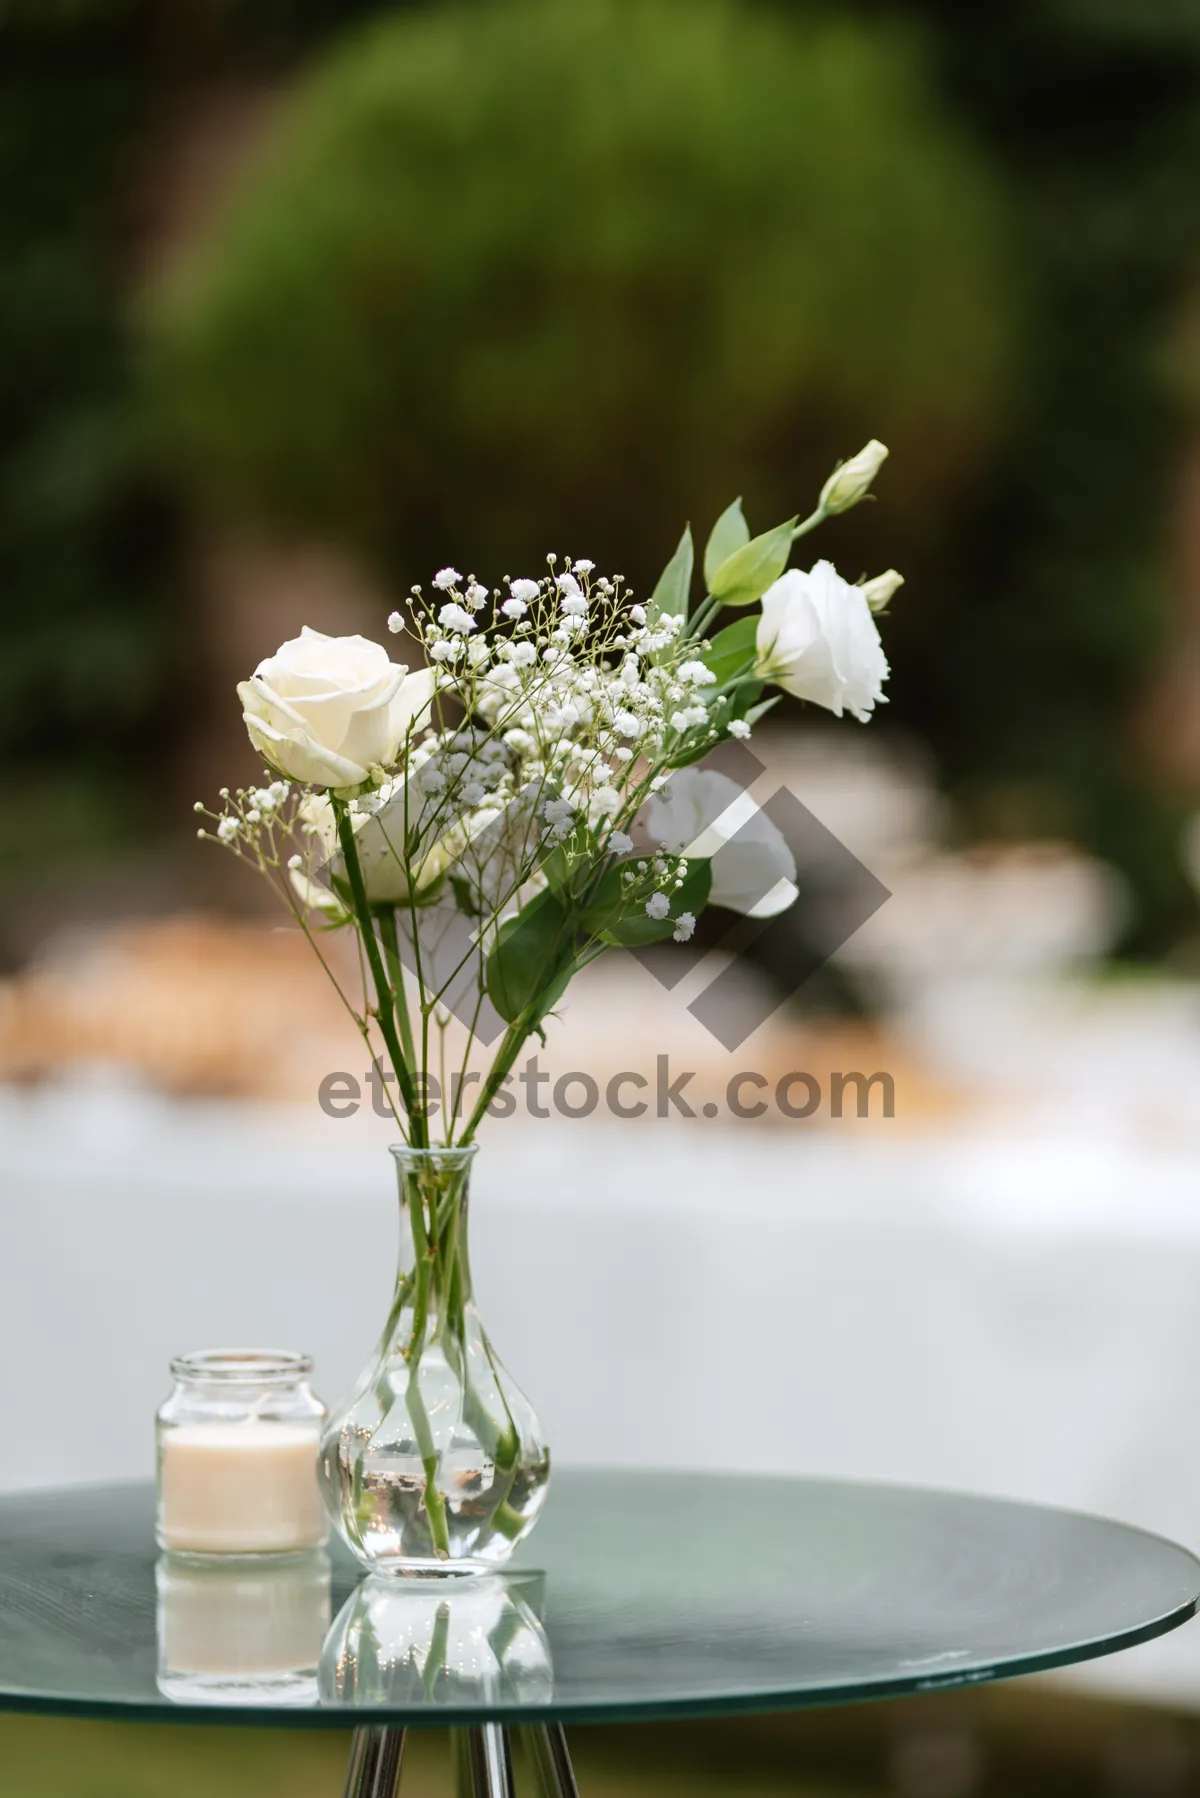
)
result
[(436, 1463), (456, 1642)]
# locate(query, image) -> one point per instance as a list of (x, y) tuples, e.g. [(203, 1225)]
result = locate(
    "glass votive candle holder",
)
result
[(237, 1455)]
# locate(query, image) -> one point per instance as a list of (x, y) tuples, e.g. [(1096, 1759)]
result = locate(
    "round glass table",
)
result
[(639, 1596)]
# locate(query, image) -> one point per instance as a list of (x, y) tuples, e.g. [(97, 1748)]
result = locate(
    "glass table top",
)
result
[(639, 1595)]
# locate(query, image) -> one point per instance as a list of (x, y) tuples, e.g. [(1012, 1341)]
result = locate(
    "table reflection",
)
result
[(243, 1631), (422, 1642)]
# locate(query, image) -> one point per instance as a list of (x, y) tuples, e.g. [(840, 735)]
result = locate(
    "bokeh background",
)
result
[(299, 301)]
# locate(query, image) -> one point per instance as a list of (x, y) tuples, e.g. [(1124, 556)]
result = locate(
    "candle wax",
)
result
[(240, 1488)]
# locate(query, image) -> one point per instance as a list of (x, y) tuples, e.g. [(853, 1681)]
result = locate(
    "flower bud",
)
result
[(851, 482), (879, 592)]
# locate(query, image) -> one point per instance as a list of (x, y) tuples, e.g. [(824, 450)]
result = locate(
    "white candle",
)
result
[(240, 1488)]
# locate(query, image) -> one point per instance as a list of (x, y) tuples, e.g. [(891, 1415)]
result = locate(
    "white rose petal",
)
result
[(325, 710), (817, 639)]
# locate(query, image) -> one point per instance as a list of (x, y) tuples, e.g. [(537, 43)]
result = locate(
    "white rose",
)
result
[(817, 639), (703, 814), (326, 710)]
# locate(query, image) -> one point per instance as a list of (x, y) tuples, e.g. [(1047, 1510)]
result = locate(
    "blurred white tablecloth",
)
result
[(1009, 1314)]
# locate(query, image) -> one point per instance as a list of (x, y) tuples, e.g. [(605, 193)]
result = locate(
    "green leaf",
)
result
[(745, 575), (743, 698), (670, 597), (525, 960), (728, 535), (760, 711), (558, 867), (617, 919), (731, 648)]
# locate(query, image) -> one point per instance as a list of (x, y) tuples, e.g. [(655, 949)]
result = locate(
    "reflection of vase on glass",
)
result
[(241, 1631), (436, 1463), (408, 1642)]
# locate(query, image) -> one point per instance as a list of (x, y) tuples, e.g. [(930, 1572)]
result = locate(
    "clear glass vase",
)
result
[(457, 1642), (436, 1463)]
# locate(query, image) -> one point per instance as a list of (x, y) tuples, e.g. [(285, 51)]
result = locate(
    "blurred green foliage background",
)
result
[(508, 275)]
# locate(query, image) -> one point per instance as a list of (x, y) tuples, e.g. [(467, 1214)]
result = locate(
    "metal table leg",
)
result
[(547, 1747), (482, 1762), (375, 1757)]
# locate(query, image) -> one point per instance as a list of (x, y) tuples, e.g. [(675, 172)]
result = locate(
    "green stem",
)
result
[(384, 995), (435, 1504), (705, 613), (810, 523), (391, 945), (515, 1038)]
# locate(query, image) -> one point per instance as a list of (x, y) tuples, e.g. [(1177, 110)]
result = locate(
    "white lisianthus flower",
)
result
[(817, 639), (704, 815), (326, 710)]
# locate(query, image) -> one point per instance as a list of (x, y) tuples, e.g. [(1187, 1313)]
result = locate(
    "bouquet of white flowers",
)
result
[(488, 823), (492, 821)]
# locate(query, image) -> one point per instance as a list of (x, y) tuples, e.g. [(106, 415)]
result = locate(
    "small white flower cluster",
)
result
[(251, 818), (575, 699), (652, 884)]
